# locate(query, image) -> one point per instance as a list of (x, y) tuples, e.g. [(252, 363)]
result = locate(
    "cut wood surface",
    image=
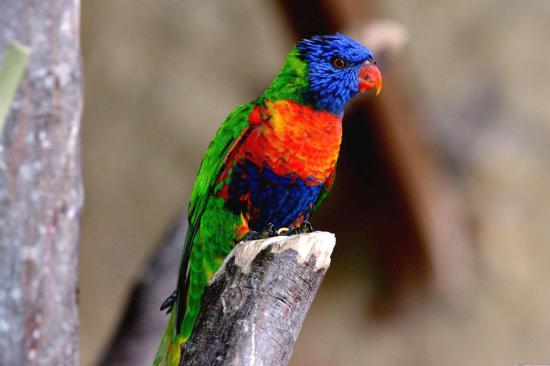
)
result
[(255, 305)]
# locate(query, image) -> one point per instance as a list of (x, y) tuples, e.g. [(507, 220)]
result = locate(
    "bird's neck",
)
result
[(292, 83)]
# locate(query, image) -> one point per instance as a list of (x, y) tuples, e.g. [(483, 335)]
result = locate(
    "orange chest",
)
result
[(295, 140)]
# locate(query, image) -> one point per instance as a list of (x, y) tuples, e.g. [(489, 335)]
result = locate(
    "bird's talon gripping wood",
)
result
[(268, 232), (282, 231), (291, 232), (252, 235), (167, 304), (306, 227), (271, 163)]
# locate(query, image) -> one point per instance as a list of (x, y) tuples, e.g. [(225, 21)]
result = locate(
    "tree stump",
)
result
[(255, 305)]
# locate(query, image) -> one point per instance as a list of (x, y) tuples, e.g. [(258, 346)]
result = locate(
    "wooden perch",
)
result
[(255, 305)]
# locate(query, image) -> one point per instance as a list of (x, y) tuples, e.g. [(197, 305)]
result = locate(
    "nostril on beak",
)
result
[(370, 78)]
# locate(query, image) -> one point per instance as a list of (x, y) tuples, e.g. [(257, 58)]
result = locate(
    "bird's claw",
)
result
[(251, 235), (267, 232), (294, 231), (169, 302), (283, 231), (306, 227)]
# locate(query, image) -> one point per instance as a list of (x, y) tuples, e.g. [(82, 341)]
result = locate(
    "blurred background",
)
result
[(441, 207)]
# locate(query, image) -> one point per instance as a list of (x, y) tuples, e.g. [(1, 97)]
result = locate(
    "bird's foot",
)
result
[(304, 228), (251, 235), (169, 302), (283, 231), (267, 232)]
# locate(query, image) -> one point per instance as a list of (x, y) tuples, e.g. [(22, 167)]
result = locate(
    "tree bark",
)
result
[(255, 305), (40, 187)]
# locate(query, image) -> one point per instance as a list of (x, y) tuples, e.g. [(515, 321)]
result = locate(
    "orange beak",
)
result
[(370, 78)]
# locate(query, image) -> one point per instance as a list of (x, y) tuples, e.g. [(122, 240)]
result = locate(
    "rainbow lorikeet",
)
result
[(270, 164)]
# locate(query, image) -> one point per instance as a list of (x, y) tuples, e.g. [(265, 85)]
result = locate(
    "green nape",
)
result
[(292, 82)]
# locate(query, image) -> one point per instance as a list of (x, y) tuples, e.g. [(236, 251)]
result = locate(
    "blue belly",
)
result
[(266, 197)]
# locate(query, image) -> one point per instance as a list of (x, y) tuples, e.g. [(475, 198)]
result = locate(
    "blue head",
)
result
[(338, 68)]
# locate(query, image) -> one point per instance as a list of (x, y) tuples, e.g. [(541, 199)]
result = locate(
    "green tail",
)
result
[(168, 353), (211, 242)]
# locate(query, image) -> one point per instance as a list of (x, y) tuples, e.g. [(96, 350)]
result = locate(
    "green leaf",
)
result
[(11, 71)]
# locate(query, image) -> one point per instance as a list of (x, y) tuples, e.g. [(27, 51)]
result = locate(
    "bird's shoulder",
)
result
[(226, 138)]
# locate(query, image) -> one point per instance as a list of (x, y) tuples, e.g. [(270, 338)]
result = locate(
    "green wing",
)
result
[(227, 137), (228, 134)]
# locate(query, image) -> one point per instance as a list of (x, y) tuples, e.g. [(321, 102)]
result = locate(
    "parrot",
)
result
[(270, 164)]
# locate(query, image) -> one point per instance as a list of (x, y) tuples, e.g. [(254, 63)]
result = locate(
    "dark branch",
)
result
[(138, 334)]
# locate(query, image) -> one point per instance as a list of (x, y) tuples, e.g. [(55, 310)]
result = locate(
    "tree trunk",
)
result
[(40, 187), (255, 305)]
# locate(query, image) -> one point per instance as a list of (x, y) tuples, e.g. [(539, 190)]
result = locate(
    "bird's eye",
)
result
[(339, 63)]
